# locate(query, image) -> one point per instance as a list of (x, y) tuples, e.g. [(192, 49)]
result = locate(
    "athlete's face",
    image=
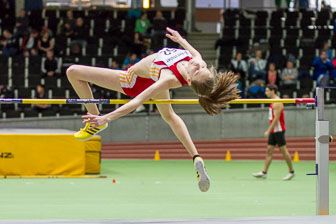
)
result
[(268, 93), (198, 70)]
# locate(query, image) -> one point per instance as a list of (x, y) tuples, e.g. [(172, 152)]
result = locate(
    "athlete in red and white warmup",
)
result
[(151, 78), (276, 134)]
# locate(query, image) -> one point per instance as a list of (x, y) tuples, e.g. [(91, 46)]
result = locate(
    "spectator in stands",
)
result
[(257, 67), (8, 44), (328, 51), (40, 94), (6, 92), (67, 30), (138, 44), (256, 89), (115, 65), (21, 26), (45, 43), (322, 66), (303, 4), (70, 19), (325, 6), (239, 67), (289, 76), (272, 76), (158, 30), (130, 60), (50, 65), (134, 13), (79, 32), (142, 26), (29, 44)]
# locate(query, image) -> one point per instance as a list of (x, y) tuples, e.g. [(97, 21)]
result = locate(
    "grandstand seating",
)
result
[(298, 32), (106, 28)]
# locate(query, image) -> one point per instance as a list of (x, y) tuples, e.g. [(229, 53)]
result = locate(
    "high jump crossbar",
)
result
[(156, 101)]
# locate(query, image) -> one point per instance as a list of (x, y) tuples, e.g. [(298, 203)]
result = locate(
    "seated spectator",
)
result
[(256, 89), (115, 65), (40, 94), (67, 31), (158, 30), (325, 6), (328, 51), (142, 26), (257, 67), (50, 65), (129, 61), (138, 44), (134, 13), (21, 26), (8, 44), (322, 65), (79, 32), (289, 76), (272, 76), (29, 44), (239, 67), (6, 92), (45, 43), (67, 25), (69, 18)]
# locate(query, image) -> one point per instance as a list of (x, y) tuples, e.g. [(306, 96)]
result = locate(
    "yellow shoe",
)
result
[(89, 131), (202, 175)]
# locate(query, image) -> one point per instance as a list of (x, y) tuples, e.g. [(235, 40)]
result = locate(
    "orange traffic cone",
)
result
[(228, 156), (157, 155), (296, 157)]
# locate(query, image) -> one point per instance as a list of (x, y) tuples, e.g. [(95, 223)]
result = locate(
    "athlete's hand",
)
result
[(266, 134), (173, 35), (96, 120)]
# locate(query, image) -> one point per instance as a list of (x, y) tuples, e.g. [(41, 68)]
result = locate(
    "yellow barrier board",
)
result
[(92, 155), (41, 154)]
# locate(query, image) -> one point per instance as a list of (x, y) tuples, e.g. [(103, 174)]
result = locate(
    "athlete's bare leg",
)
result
[(80, 75), (176, 124), (285, 154), (269, 155)]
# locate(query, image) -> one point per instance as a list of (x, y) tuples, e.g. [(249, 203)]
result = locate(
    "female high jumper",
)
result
[(151, 78)]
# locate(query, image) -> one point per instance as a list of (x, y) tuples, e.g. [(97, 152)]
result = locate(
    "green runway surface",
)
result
[(168, 189)]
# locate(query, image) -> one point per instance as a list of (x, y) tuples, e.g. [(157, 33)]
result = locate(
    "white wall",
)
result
[(257, 4)]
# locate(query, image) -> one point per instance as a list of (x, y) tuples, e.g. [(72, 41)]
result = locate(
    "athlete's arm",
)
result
[(157, 87), (277, 107), (176, 37)]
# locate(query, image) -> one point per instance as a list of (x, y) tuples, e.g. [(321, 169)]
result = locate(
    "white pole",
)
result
[(322, 157)]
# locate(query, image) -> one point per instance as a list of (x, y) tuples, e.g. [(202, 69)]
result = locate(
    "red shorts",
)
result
[(132, 84)]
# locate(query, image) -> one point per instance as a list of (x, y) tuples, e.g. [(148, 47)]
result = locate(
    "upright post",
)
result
[(322, 157)]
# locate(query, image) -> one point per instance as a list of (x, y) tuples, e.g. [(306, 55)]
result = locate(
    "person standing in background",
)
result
[(275, 134)]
